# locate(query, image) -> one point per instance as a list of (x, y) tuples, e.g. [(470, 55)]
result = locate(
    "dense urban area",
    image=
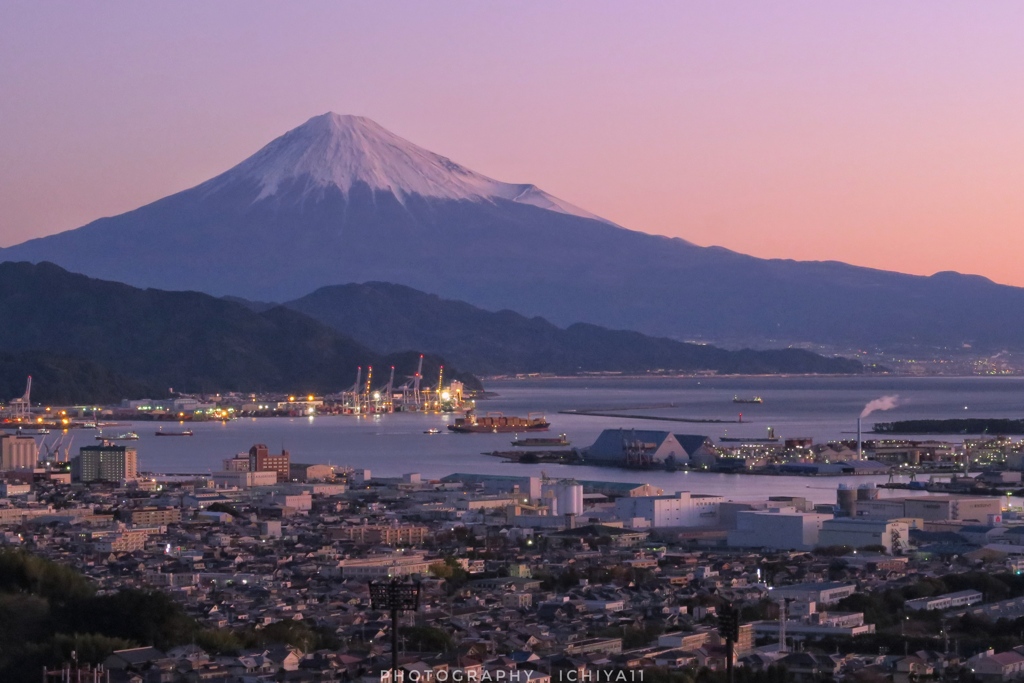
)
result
[(264, 569)]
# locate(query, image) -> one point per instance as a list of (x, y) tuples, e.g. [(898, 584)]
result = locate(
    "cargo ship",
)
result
[(753, 399), (187, 432), (128, 436), (560, 440), (498, 423)]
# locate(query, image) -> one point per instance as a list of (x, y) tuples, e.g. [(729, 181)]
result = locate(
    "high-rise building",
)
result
[(262, 460), (17, 452), (104, 462)]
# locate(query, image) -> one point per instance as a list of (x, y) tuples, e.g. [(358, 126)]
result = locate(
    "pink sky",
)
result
[(883, 134)]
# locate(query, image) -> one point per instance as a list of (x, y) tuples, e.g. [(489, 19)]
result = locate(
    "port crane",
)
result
[(386, 400), (366, 400), (411, 395), (59, 450), (21, 408), (350, 398), (412, 398)]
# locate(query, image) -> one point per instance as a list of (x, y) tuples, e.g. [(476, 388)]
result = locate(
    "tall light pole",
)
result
[(729, 629), (395, 597)]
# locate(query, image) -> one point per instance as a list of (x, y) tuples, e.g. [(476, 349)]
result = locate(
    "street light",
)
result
[(395, 597)]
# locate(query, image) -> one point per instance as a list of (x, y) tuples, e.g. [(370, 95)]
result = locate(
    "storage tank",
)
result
[(867, 492), (846, 499), (569, 495), (548, 498)]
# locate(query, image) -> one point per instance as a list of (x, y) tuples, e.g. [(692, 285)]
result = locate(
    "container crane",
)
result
[(21, 407), (440, 382), (367, 397), (412, 399), (388, 392), (350, 398)]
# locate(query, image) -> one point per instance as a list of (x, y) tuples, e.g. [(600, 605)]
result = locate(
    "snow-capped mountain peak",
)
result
[(342, 150)]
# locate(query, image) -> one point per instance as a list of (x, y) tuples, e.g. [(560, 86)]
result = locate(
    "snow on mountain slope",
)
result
[(340, 151)]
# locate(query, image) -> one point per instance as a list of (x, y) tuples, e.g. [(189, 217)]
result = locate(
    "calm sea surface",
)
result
[(390, 445)]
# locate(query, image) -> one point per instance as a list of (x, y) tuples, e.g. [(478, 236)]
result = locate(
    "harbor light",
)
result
[(445, 396)]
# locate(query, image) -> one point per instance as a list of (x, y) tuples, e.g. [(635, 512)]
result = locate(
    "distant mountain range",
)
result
[(392, 317), (340, 199), (87, 340)]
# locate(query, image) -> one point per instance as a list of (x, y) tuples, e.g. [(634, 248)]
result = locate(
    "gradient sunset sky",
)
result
[(884, 134)]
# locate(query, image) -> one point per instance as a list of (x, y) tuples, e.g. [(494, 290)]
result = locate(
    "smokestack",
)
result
[(860, 447)]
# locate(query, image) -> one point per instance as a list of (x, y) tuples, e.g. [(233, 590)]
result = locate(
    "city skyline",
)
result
[(879, 135)]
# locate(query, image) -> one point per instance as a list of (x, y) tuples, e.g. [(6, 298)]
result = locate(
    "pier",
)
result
[(625, 416)]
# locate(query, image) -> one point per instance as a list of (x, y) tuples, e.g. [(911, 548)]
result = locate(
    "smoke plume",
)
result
[(884, 403)]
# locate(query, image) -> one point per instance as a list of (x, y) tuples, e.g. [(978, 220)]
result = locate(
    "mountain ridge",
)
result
[(391, 317), (222, 238), (80, 327)]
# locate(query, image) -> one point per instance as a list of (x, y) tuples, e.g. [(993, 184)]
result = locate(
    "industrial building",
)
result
[(783, 528), (860, 533), (681, 509), (564, 497), (932, 508), (104, 462), (305, 473), (525, 487), (644, 447), (18, 452)]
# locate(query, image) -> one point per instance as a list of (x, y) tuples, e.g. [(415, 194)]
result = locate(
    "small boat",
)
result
[(187, 432), (127, 436), (752, 399), (432, 430), (560, 440)]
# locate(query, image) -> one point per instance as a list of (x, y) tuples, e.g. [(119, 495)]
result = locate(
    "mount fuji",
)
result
[(340, 199)]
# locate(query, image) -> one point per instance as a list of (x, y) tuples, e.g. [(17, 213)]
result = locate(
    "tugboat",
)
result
[(497, 423)]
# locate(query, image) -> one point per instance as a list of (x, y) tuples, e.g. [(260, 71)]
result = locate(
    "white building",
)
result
[(682, 509), (782, 528), (823, 593), (244, 480), (384, 566), (946, 601), (10, 488), (302, 502)]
